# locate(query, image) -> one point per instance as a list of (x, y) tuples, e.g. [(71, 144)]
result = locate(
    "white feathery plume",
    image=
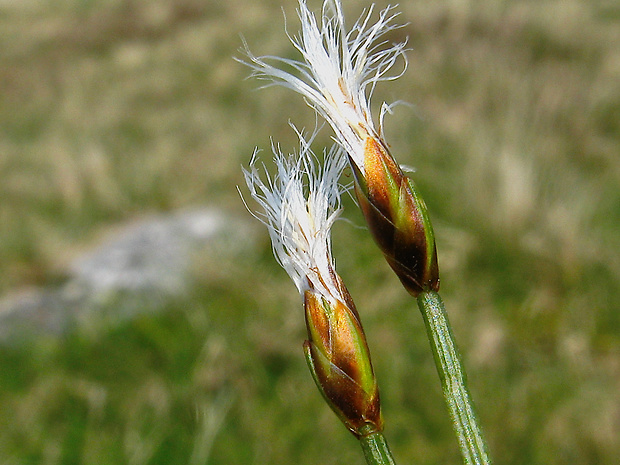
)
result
[(299, 206), (339, 70)]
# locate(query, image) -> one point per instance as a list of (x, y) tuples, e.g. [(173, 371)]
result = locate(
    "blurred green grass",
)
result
[(113, 109)]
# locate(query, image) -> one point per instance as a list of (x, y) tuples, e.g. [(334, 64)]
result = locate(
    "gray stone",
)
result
[(138, 269), (153, 254)]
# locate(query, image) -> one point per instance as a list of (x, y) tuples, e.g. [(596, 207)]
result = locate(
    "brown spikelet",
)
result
[(397, 218), (339, 360)]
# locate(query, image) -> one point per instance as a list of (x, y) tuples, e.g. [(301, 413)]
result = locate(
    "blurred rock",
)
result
[(150, 255), (139, 269)]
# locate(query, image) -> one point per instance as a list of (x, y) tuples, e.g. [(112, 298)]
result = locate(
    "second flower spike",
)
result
[(299, 205)]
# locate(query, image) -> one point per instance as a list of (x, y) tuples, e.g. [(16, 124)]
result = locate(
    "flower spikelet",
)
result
[(398, 219), (337, 75), (299, 205)]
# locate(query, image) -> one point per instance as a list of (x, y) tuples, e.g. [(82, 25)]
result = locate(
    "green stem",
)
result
[(453, 379), (376, 450)]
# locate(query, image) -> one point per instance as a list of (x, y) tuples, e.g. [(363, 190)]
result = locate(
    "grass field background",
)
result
[(112, 110)]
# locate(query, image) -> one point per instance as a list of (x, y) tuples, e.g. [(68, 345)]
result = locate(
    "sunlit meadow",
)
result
[(115, 110)]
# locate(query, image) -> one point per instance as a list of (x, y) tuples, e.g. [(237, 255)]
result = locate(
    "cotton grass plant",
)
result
[(299, 206), (337, 76)]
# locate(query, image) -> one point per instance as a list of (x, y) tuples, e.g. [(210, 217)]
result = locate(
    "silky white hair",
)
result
[(299, 204), (339, 70)]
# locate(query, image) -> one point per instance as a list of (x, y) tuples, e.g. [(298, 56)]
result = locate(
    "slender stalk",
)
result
[(376, 450), (453, 379)]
